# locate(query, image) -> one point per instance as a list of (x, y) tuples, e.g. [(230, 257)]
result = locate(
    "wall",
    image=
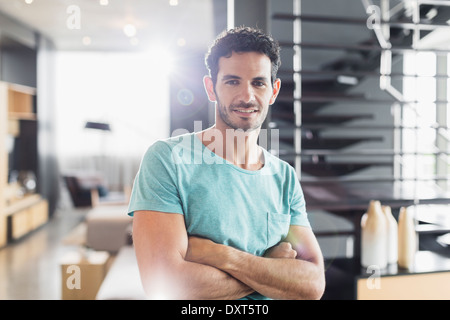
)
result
[(26, 58), (48, 163)]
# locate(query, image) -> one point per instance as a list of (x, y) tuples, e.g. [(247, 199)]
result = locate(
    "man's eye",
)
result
[(259, 84), (232, 82)]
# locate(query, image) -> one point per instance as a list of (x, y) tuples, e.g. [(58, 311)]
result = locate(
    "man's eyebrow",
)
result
[(234, 77), (264, 79), (230, 77)]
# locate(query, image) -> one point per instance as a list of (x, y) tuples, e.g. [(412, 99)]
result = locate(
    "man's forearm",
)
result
[(274, 278), (200, 281), (193, 281), (160, 242)]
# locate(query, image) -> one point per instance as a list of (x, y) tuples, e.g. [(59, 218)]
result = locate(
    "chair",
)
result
[(89, 190)]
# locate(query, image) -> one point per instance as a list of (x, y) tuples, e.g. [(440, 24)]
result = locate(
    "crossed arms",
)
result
[(174, 265)]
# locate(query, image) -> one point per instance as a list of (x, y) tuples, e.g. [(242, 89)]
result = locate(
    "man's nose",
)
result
[(247, 94)]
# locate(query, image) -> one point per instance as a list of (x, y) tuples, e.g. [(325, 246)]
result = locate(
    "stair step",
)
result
[(336, 169), (309, 116), (287, 105), (329, 143), (331, 119)]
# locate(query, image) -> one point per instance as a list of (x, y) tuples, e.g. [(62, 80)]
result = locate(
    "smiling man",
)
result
[(233, 226)]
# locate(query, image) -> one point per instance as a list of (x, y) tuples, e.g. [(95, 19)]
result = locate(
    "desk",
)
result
[(428, 279)]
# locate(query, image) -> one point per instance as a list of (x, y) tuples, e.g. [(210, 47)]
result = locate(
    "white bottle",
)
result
[(392, 236), (407, 241), (374, 236)]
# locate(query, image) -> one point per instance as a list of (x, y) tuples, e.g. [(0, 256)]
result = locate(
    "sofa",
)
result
[(108, 228)]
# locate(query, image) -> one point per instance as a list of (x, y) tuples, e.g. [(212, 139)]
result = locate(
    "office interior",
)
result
[(86, 86)]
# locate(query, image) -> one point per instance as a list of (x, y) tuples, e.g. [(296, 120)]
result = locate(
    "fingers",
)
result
[(285, 245), (283, 250), (288, 250)]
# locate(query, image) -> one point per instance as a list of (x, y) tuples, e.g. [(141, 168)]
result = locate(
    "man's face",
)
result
[(243, 91)]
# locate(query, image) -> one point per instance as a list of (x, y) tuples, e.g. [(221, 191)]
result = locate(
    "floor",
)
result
[(29, 267)]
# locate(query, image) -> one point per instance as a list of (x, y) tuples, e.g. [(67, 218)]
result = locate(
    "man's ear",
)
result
[(209, 87), (276, 91)]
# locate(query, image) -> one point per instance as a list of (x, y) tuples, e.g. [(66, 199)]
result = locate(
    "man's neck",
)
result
[(236, 146)]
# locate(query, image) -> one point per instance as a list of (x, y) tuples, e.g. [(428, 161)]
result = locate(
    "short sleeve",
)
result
[(155, 185), (298, 212)]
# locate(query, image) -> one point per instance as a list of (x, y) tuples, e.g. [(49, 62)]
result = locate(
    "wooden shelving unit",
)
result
[(20, 213)]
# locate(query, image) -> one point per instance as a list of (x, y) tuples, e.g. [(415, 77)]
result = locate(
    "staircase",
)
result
[(345, 136), (347, 129)]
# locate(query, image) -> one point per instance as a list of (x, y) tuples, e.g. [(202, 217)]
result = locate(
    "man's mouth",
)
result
[(246, 110)]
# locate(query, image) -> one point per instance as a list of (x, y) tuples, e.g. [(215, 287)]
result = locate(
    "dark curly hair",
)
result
[(242, 39)]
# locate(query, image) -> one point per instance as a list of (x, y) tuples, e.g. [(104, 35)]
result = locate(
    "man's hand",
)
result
[(283, 250)]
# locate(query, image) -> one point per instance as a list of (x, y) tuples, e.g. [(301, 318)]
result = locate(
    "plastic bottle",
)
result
[(374, 236), (407, 241), (392, 236)]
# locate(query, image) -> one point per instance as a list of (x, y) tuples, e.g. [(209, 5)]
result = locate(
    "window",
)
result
[(425, 134), (130, 91)]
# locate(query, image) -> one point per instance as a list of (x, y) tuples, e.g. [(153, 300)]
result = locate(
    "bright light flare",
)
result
[(129, 30), (163, 57)]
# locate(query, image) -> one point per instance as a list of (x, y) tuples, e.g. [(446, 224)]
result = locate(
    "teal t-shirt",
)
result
[(248, 210)]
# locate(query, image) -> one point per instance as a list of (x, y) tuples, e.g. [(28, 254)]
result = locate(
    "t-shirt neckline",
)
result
[(232, 165)]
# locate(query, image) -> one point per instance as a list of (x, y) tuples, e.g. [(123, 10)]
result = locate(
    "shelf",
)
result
[(18, 215), (20, 102), (26, 216), (21, 204), (423, 281), (22, 116), (22, 89), (431, 229)]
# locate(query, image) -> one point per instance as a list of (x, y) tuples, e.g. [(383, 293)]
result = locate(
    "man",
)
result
[(215, 215)]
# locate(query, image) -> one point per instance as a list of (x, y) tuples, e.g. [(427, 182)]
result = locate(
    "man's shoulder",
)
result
[(169, 148), (171, 142)]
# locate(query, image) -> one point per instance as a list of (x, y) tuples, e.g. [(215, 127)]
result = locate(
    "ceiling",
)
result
[(99, 24)]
